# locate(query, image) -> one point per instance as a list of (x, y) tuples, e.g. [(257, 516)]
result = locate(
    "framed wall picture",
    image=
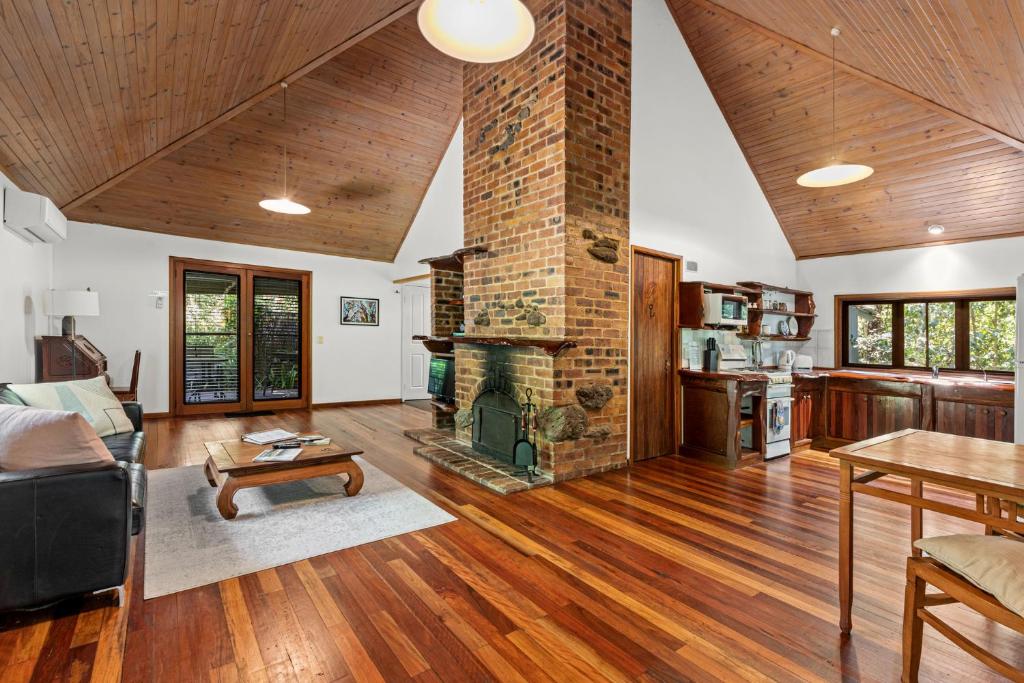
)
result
[(360, 311)]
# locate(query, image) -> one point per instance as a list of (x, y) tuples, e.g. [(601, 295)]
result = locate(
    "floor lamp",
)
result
[(66, 304)]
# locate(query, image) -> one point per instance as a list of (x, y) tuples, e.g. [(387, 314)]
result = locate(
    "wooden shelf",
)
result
[(793, 314), (758, 287), (454, 260), (444, 407), (551, 347), (774, 337)]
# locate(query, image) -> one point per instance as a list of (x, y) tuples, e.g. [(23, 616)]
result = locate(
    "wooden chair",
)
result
[(922, 571), (130, 393)]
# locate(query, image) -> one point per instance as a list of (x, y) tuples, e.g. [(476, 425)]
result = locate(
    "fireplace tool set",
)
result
[(524, 451)]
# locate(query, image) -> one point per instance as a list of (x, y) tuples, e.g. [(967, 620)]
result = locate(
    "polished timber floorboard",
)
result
[(667, 571)]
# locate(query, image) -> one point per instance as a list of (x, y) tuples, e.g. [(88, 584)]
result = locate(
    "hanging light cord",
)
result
[(834, 32), (285, 126)]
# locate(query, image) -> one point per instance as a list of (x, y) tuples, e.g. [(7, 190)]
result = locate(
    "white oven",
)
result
[(725, 310)]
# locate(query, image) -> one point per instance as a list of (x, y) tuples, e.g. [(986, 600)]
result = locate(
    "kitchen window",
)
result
[(965, 331)]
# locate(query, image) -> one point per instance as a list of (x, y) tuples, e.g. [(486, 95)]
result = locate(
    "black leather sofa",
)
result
[(67, 530)]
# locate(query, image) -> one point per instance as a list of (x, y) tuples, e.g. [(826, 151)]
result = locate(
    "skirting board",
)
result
[(155, 416), (355, 404)]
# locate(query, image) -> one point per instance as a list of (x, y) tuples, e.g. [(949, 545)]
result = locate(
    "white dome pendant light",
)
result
[(836, 173), (284, 204), (482, 31)]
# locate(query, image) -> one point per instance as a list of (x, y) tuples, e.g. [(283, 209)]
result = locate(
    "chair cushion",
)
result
[(126, 447), (995, 564), (32, 438), (90, 397)]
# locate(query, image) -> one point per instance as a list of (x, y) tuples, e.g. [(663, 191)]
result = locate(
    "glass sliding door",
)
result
[(276, 339), (212, 338), (240, 337)]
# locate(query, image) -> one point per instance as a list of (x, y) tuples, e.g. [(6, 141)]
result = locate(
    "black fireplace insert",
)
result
[(497, 418)]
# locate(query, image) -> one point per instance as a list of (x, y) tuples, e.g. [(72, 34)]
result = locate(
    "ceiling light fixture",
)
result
[(284, 204), (835, 173), (482, 31), (936, 229)]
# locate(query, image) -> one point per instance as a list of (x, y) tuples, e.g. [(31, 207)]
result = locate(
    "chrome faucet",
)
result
[(935, 372)]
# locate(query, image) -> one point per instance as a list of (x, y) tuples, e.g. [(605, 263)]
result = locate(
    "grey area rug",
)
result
[(188, 543)]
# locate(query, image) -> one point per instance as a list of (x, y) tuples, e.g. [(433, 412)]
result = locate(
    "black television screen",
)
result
[(441, 383)]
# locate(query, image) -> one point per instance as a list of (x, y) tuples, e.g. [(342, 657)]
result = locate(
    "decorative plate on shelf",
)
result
[(784, 327)]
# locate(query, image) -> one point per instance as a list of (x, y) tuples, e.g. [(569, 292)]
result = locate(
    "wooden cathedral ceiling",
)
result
[(165, 115), (931, 94)]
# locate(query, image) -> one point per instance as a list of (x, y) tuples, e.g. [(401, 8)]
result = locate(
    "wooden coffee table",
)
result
[(230, 467)]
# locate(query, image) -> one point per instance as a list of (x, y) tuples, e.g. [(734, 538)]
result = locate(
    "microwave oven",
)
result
[(725, 310)]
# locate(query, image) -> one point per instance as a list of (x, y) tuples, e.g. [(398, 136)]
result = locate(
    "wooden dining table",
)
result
[(992, 472)]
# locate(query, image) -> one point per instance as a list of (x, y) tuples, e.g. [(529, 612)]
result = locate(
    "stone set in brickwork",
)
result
[(546, 161)]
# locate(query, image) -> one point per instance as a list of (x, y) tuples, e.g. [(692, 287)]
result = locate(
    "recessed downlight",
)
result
[(936, 229)]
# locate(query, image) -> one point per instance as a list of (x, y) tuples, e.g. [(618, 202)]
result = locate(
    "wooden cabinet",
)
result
[(974, 411), (808, 411), (862, 408), (714, 418), (858, 409)]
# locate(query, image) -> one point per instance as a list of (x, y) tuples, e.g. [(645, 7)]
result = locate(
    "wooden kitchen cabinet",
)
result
[(808, 411), (974, 411), (859, 409)]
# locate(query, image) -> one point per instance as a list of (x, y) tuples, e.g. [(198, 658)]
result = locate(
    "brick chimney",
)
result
[(546, 190)]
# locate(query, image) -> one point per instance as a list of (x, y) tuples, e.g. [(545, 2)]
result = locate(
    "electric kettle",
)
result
[(785, 360)]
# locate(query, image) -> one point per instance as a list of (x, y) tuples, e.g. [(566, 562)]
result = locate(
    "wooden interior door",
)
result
[(654, 356), (240, 337)]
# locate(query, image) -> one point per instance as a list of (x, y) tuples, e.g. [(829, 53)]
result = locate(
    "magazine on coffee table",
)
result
[(270, 436), (278, 455)]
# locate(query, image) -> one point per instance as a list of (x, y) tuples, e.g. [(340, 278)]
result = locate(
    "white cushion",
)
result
[(32, 437), (995, 564), (91, 398)]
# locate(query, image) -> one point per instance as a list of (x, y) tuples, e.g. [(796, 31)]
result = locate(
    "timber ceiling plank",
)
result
[(89, 89), (966, 56), (929, 167), (365, 134)]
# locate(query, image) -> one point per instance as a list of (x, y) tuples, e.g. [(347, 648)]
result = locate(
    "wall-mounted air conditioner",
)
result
[(33, 217)]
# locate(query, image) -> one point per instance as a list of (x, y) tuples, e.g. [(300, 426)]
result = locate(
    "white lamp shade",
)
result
[(73, 302), (482, 31), (284, 205), (835, 175)]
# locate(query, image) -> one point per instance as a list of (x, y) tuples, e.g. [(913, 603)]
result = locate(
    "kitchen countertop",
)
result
[(945, 380), (737, 375), (880, 375)]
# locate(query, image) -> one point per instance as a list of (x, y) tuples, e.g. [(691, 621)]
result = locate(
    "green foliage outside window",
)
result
[(993, 333), (929, 334), (872, 344)]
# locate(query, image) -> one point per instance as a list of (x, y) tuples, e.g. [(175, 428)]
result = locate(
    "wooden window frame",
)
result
[(246, 273), (961, 301)]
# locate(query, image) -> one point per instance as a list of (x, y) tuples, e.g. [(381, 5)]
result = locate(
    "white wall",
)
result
[(949, 267), (437, 228), (691, 190), (124, 266), (25, 272)]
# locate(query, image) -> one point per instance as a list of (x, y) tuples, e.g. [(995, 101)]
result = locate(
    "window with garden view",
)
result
[(964, 333)]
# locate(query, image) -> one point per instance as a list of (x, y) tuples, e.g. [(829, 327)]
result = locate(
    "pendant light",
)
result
[(836, 173), (477, 30), (284, 204)]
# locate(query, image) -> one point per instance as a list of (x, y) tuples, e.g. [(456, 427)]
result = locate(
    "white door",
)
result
[(415, 358)]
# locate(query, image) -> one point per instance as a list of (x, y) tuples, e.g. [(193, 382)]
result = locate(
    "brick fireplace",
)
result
[(546, 191)]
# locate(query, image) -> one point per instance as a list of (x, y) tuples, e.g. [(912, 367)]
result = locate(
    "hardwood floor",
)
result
[(667, 571)]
